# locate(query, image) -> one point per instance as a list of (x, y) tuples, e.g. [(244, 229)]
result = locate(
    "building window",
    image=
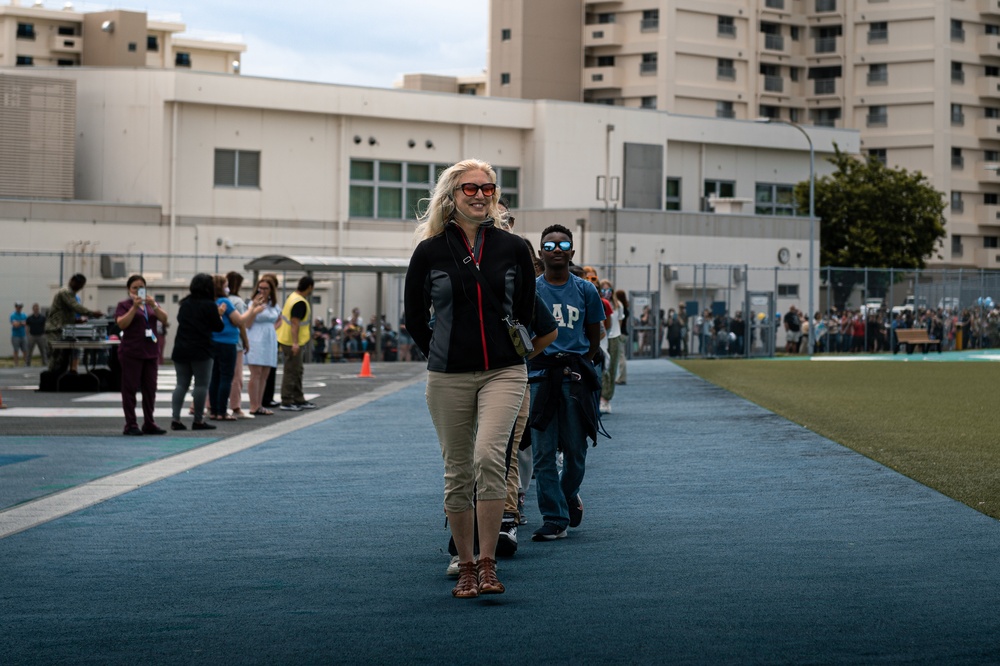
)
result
[(991, 155), (607, 17), (650, 20), (957, 31), (825, 79), (237, 168), (878, 116), (957, 115), (606, 61), (66, 31), (825, 117), (65, 62), (878, 75), (878, 32), (26, 31), (879, 154), (648, 64), (773, 41), (774, 4), (788, 291), (132, 47), (990, 241), (505, 35), (648, 102), (772, 78), (727, 26), (673, 194), (725, 69), (767, 111), (957, 73), (991, 198), (957, 205), (793, 32), (400, 190), (826, 39), (718, 189), (25, 61), (992, 29), (152, 43), (956, 245), (724, 110), (505, 78), (509, 179), (182, 59), (773, 199), (957, 161), (826, 6)]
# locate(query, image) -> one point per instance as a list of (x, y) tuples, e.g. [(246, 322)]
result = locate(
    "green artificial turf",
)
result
[(933, 422)]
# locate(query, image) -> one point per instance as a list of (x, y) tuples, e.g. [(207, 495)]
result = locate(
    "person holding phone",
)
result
[(263, 354), (138, 354)]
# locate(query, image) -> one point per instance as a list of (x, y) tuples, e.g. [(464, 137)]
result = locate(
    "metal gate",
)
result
[(644, 339), (763, 328)]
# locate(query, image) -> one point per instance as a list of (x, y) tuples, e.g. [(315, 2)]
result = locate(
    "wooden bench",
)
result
[(914, 336)]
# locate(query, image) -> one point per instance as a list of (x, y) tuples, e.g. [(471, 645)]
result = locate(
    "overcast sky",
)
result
[(357, 42)]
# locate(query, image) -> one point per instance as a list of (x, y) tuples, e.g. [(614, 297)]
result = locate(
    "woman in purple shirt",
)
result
[(138, 354)]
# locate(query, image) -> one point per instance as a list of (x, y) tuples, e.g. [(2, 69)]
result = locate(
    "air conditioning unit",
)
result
[(669, 274), (737, 275), (112, 266)]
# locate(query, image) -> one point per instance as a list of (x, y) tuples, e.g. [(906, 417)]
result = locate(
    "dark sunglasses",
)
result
[(550, 246), (470, 189)]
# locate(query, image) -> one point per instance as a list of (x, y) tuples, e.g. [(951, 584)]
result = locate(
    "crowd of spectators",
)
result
[(838, 331), (347, 340)]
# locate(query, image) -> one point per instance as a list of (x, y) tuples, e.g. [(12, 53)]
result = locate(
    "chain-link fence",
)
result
[(722, 309)]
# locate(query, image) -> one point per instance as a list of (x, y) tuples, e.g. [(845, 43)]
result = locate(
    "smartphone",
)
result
[(142, 293)]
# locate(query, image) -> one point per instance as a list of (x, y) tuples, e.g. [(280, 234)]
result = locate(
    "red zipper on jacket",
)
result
[(479, 295)]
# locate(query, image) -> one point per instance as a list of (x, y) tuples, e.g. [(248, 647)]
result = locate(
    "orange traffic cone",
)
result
[(366, 366)]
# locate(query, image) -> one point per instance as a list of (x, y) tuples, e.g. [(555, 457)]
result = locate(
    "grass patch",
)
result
[(932, 422)]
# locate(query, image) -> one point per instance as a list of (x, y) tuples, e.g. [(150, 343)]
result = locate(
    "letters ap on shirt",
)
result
[(573, 312)]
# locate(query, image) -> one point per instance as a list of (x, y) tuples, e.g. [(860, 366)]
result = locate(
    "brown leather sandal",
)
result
[(468, 581), (488, 582)]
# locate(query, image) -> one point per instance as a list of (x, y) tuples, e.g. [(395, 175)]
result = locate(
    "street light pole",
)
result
[(812, 223)]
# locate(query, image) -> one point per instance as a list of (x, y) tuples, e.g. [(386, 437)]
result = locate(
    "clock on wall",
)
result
[(784, 255)]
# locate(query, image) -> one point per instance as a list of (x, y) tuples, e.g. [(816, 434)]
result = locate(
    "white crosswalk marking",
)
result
[(94, 405)]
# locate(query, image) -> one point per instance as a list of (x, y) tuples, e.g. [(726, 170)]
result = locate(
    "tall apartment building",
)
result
[(37, 36), (920, 79)]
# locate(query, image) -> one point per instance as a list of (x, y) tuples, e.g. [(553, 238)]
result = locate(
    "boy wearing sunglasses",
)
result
[(563, 384)]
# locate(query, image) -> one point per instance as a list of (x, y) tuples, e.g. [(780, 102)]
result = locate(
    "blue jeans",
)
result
[(223, 369), (554, 489)]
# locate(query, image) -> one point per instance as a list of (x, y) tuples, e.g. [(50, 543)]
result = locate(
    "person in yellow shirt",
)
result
[(293, 335)]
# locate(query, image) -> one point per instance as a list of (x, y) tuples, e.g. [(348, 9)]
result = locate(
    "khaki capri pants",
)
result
[(473, 413)]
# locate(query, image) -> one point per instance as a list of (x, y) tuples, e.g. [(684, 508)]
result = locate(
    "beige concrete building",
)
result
[(33, 35), (175, 172), (920, 79)]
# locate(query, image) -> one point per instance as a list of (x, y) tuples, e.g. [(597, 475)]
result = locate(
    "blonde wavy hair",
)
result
[(441, 207)]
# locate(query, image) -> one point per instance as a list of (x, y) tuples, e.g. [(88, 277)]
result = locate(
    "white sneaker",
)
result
[(605, 406), (452, 570)]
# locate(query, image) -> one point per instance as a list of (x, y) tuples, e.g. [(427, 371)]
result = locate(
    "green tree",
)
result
[(873, 216)]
